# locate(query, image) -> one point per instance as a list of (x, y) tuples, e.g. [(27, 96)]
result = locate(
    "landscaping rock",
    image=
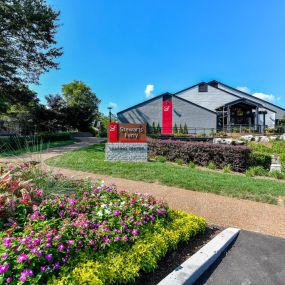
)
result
[(247, 138), (264, 139), (282, 137), (273, 138)]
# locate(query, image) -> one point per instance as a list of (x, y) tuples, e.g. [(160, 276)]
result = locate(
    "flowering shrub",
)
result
[(17, 196), (63, 226), (122, 265)]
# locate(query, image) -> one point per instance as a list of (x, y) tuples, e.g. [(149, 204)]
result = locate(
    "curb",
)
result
[(190, 270)]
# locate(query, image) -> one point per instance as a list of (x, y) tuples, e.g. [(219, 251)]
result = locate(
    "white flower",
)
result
[(100, 214)]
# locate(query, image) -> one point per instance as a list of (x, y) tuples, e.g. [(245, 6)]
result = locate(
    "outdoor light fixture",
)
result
[(110, 113)]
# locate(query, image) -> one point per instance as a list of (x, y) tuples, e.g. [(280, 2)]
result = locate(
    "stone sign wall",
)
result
[(126, 151)]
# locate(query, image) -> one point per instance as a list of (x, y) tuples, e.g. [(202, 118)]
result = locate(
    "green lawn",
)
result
[(35, 148), (91, 159)]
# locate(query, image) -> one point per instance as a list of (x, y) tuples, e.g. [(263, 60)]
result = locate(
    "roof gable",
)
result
[(215, 84)]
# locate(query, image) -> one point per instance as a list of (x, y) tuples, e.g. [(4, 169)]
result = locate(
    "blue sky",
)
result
[(120, 47)]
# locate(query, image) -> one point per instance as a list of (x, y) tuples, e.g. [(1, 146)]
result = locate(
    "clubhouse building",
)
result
[(205, 106)]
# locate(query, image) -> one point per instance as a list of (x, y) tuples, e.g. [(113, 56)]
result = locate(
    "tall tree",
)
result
[(27, 41), (81, 104)]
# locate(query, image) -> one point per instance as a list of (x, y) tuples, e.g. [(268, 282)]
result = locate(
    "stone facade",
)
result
[(126, 152)]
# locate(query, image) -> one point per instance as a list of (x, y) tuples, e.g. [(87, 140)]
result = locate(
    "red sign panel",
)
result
[(135, 133), (132, 133), (113, 131), (166, 116)]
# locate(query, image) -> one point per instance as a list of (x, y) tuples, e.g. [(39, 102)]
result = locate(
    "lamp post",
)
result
[(110, 113)]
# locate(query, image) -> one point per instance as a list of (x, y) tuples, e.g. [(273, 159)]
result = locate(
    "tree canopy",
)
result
[(27, 41), (81, 104)]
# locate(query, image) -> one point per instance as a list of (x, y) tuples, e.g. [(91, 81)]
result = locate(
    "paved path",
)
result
[(254, 259), (219, 210), (51, 152)]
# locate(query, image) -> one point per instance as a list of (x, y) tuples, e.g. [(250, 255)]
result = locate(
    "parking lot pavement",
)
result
[(254, 259)]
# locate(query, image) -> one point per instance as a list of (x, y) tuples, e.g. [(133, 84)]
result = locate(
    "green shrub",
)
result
[(212, 165), (277, 174), (160, 158), (124, 264), (94, 132), (260, 159), (202, 153), (51, 137), (256, 171), (227, 168), (179, 161), (191, 164)]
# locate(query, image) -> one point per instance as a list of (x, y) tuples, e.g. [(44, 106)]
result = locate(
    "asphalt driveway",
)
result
[(254, 259)]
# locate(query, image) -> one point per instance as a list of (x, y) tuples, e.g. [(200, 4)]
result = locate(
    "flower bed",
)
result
[(114, 233)]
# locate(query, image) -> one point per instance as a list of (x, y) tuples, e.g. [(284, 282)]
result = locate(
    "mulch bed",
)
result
[(175, 258)]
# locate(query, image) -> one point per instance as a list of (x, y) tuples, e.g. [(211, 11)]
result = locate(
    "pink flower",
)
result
[(61, 247), (135, 232), (125, 238), (22, 257), (49, 257), (4, 268), (117, 212), (117, 238)]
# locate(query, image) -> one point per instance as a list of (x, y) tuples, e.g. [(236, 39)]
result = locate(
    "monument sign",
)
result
[(126, 142)]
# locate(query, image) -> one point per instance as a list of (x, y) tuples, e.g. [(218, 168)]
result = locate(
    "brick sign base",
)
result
[(126, 152)]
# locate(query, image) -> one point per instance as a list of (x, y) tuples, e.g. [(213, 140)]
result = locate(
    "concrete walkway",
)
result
[(254, 259), (219, 210), (51, 152)]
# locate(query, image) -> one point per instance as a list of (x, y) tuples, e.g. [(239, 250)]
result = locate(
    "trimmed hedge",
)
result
[(124, 264), (202, 153), (17, 142)]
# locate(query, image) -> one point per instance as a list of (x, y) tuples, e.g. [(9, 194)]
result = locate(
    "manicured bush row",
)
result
[(17, 142), (203, 153), (124, 264)]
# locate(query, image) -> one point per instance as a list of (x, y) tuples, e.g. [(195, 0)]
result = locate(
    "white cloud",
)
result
[(148, 90), (266, 97), (244, 89), (260, 95), (112, 105)]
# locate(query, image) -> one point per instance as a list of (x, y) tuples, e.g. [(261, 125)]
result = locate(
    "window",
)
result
[(203, 87)]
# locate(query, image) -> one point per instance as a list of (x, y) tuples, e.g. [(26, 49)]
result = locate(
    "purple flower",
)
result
[(61, 214), (39, 254), (135, 232), (49, 257), (61, 247), (22, 257), (26, 273), (56, 266), (43, 268), (5, 256), (117, 212), (70, 241), (8, 280), (117, 238), (125, 238), (4, 268), (48, 244)]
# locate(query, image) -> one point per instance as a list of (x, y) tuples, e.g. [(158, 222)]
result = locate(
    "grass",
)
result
[(91, 159), (35, 148)]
